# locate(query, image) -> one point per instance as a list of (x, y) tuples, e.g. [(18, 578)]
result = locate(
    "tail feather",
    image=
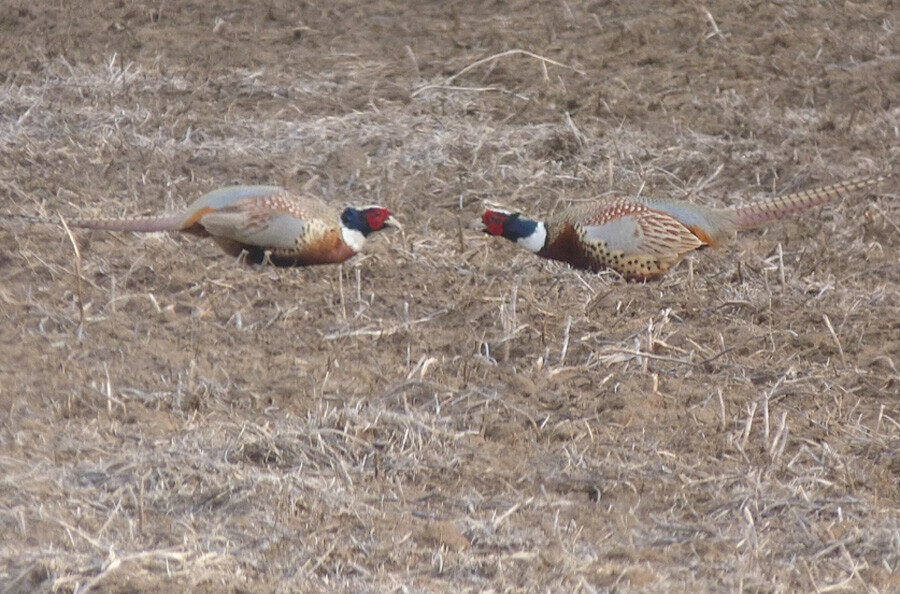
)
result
[(8, 216), (760, 213), (146, 224)]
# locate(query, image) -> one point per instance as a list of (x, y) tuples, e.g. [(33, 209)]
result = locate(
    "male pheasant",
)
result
[(266, 223), (641, 238)]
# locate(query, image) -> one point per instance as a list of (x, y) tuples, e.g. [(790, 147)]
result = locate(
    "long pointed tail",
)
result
[(754, 215), (146, 224)]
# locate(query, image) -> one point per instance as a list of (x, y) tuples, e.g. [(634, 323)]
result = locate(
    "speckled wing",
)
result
[(222, 198), (629, 227), (275, 221), (711, 225)]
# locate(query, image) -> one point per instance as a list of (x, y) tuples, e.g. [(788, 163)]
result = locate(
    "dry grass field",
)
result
[(446, 412)]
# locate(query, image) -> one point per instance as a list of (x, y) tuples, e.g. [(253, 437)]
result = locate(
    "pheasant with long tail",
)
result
[(641, 238), (265, 223)]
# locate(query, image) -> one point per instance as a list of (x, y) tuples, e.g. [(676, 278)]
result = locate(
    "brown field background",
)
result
[(446, 412)]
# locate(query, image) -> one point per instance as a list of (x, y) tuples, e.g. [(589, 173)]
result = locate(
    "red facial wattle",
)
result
[(376, 217), (493, 222)]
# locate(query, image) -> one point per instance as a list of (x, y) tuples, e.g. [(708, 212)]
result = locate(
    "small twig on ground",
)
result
[(781, 268), (477, 63), (834, 337), (748, 424), (578, 134), (470, 89), (511, 52), (565, 346), (715, 27), (724, 425), (78, 275), (341, 289), (499, 520)]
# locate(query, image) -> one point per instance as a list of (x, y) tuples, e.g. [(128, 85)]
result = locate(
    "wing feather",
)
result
[(269, 229), (643, 231)]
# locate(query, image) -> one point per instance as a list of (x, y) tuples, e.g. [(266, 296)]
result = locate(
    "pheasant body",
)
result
[(266, 223), (641, 238)]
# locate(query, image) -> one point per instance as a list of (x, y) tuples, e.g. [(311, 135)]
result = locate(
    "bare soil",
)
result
[(446, 412)]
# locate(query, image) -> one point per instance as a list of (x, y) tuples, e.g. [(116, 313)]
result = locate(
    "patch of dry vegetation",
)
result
[(445, 412)]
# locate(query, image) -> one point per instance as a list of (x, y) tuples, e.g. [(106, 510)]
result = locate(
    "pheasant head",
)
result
[(531, 235), (358, 223)]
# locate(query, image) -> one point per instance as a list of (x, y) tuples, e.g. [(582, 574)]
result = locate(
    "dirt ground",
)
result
[(446, 412)]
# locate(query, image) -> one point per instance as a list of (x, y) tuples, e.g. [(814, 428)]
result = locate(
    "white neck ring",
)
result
[(534, 242), (353, 238)]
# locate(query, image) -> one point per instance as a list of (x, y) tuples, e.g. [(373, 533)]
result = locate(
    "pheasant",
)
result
[(266, 223), (641, 238)]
